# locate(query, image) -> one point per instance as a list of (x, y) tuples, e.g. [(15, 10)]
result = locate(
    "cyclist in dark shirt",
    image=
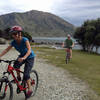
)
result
[(68, 44)]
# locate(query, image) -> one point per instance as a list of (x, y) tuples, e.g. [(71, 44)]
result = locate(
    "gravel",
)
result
[(54, 83)]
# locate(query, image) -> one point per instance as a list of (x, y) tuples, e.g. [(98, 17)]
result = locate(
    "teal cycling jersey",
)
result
[(21, 48)]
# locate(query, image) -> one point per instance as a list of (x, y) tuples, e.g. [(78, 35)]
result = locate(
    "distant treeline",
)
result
[(88, 35), (6, 34)]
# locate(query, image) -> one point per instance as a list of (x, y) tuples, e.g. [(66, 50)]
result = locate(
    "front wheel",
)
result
[(66, 60), (67, 57), (6, 90)]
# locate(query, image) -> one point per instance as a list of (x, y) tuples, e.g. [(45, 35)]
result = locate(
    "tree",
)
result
[(26, 34), (88, 35), (7, 34), (97, 42), (79, 35), (1, 33)]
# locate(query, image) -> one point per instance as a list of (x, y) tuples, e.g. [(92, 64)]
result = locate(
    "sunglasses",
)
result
[(15, 33)]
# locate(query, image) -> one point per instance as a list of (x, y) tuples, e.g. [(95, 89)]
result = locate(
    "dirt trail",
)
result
[(54, 83)]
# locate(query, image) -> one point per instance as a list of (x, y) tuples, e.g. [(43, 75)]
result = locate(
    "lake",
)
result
[(58, 40), (50, 39)]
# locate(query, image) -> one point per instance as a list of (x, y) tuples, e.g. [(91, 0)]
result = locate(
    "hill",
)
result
[(37, 23)]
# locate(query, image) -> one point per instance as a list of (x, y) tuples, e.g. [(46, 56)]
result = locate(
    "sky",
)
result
[(73, 11)]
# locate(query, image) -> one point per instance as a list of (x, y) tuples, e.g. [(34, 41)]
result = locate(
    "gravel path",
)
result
[(54, 83)]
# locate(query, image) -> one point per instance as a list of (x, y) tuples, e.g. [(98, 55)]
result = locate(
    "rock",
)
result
[(2, 41)]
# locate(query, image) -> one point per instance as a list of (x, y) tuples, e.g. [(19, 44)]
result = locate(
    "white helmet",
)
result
[(68, 35)]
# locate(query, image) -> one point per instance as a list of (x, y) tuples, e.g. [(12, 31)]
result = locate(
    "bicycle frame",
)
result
[(5, 83), (10, 71), (68, 52), (67, 55)]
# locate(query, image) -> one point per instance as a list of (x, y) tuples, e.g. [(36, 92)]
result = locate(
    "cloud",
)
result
[(76, 11), (24, 5), (6, 6)]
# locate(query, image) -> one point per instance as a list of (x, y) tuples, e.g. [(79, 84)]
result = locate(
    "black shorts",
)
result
[(28, 66)]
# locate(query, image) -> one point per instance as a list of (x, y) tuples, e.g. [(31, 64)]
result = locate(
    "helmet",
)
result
[(15, 29), (68, 35)]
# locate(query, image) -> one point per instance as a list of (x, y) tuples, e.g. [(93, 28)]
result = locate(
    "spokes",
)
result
[(2, 89), (34, 81), (6, 90)]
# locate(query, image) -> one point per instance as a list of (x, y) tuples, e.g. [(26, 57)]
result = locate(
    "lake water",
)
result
[(59, 40), (79, 47), (50, 39)]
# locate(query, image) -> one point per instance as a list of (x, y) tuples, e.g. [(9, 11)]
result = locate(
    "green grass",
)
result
[(83, 65)]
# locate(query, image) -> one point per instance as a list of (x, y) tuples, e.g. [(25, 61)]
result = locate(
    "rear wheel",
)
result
[(34, 82), (6, 90)]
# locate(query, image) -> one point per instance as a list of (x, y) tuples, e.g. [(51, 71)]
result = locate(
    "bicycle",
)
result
[(5, 82), (67, 55)]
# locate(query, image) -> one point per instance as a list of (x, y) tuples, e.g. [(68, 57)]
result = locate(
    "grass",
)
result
[(83, 65)]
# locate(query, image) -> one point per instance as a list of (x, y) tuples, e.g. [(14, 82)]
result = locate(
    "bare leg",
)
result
[(18, 74), (29, 84), (70, 53)]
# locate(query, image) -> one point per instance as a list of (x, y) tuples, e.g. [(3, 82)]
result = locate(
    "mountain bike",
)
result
[(6, 83), (67, 55)]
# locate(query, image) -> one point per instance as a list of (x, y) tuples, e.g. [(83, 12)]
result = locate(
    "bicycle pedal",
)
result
[(18, 91), (13, 81)]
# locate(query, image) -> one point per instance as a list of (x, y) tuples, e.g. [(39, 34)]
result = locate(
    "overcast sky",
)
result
[(74, 11)]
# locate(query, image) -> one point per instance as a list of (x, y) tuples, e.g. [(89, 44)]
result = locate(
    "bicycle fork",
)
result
[(6, 85)]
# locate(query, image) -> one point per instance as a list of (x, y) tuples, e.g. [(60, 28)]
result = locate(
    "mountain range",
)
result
[(38, 23)]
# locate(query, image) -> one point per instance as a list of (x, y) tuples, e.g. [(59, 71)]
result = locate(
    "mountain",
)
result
[(38, 23)]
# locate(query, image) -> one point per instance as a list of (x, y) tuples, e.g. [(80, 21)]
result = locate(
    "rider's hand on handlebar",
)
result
[(21, 59), (70, 46)]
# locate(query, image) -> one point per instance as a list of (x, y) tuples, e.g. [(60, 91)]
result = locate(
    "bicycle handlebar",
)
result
[(7, 61)]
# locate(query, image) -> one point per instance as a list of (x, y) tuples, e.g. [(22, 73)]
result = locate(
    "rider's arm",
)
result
[(28, 52), (6, 50), (72, 44), (29, 49), (63, 44)]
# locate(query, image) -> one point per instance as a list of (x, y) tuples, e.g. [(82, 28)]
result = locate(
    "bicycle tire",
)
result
[(66, 60), (34, 78), (67, 57), (3, 84)]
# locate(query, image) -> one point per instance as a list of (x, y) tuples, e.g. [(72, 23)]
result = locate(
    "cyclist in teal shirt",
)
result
[(22, 45), (22, 49)]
